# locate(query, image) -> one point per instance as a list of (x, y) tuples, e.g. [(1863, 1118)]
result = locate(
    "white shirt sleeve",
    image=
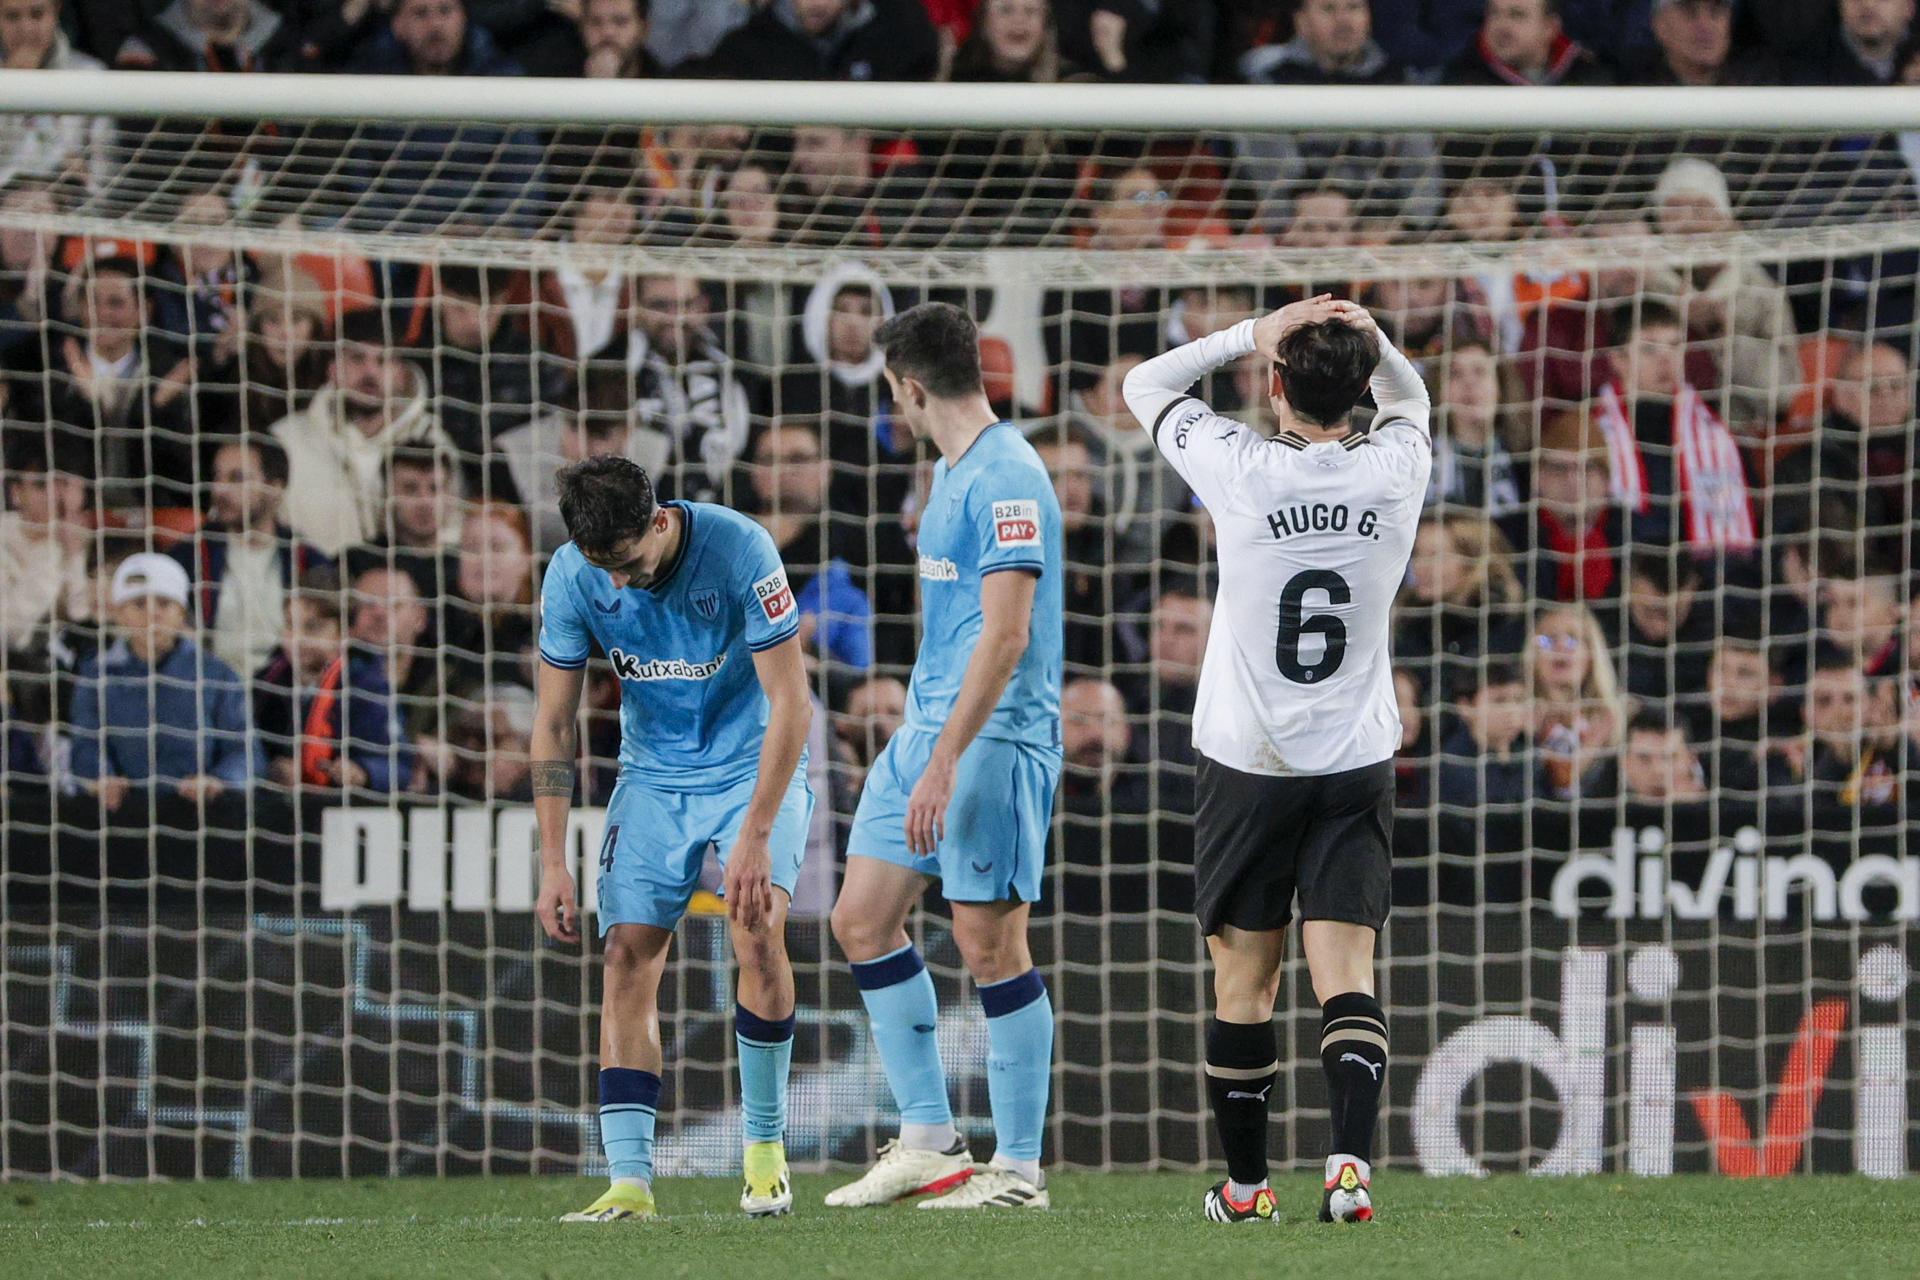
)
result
[(1203, 447), (1162, 382), (1399, 391)]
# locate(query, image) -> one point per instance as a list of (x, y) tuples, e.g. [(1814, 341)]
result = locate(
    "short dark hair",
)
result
[(1323, 369), (1830, 657), (119, 264), (1648, 313), (367, 326), (806, 425), (1652, 720), (319, 589), (937, 345), (1667, 571), (1467, 680), (605, 500), (858, 287), (604, 396), (36, 451), (271, 453), (418, 457), (464, 281), (1061, 433)]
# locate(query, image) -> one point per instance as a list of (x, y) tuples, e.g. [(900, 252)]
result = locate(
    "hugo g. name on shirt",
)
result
[(1323, 517)]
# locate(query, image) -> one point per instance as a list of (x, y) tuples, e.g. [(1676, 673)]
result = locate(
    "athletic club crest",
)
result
[(708, 604)]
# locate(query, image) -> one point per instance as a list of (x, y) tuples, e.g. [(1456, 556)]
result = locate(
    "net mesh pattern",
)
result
[(1654, 795)]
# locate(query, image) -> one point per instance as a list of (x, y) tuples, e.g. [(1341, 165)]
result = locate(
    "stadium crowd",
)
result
[(275, 521)]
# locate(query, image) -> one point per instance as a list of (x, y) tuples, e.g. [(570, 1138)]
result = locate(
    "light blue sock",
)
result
[(898, 992), (766, 1055), (1019, 1063), (629, 1101)]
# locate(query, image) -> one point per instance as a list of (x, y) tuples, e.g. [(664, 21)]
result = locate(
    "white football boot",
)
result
[(906, 1171)]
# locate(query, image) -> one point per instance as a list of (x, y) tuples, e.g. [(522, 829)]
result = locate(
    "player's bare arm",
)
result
[(1006, 609), (749, 874), (552, 747)]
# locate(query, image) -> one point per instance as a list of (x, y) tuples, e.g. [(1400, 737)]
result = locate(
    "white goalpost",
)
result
[(311, 981)]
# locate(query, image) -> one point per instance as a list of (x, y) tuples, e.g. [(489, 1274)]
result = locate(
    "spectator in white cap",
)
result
[(1734, 311), (154, 713)]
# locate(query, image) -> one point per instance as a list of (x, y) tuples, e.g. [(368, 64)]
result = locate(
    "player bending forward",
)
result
[(1295, 725), (691, 605), (963, 792)]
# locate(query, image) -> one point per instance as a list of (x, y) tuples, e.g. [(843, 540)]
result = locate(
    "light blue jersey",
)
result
[(692, 713), (992, 511)]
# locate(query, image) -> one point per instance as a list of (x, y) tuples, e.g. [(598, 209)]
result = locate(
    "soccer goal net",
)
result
[(266, 843)]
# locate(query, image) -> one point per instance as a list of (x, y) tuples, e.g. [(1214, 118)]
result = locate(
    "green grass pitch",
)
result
[(1130, 1225)]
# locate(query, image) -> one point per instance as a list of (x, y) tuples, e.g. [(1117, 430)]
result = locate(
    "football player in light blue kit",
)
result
[(691, 606), (964, 791)]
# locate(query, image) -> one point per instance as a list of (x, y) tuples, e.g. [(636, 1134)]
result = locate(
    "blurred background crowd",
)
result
[(275, 515)]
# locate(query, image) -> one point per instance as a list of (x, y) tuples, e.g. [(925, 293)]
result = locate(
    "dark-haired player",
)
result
[(963, 792), (1296, 723), (692, 608)]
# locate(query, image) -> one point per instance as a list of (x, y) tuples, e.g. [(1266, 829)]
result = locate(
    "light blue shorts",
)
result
[(996, 824), (656, 842)]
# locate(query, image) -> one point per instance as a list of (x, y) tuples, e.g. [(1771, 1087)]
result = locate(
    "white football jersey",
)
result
[(1313, 541)]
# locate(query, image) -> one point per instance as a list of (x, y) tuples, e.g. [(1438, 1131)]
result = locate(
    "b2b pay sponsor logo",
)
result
[(774, 595), (1016, 523)]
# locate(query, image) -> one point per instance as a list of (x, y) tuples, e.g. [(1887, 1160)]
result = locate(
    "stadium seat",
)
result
[(171, 524), (996, 369), (345, 278)]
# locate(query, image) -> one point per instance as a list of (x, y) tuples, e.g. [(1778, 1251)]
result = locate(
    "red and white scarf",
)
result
[(1707, 469)]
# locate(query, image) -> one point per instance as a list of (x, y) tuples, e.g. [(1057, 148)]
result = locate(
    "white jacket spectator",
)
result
[(50, 145), (1733, 309), (338, 446)]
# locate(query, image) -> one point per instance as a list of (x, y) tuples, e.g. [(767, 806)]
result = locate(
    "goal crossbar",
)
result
[(1157, 107)]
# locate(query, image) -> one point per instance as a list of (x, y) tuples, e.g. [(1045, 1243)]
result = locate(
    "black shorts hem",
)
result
[(1261, 842)]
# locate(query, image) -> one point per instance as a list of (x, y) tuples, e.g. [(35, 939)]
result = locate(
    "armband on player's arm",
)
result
[(1398, 389), (1162, 382)]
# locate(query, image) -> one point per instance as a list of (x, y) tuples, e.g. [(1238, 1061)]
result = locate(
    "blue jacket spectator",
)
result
[(423, 176), (789, 476), (24, 754), (153, 709), (842, 618), (855, 40), (1489, 758)]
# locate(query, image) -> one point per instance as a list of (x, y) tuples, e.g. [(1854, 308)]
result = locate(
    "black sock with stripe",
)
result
[(1353, 1050), (1243, 1062)]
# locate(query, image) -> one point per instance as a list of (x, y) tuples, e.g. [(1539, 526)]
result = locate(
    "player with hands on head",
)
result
[(1296, 721), (691, 606)]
